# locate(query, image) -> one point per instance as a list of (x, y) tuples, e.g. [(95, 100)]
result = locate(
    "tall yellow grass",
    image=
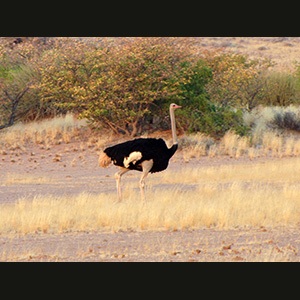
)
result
[(227, 196), (268, 143), (47, 132)]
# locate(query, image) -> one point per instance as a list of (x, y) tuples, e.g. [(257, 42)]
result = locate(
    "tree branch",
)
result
[(14, 105)]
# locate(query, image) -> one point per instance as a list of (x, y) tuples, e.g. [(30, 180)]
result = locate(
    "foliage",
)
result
[(280, 89), (200, 114), (287, 120), (236, 79), (12, 93), (128, 84), (111, 85), (19, 75)]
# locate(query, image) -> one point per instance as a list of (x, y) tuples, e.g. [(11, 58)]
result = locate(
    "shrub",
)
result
[(19, 77), (114, 86), (262, 119), (279, 89), (218, 120), (287, 120), (236, 79), (128, 85), (201, 114)]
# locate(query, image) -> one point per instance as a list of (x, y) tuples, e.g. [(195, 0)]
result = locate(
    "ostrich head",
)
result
[(174, 106)]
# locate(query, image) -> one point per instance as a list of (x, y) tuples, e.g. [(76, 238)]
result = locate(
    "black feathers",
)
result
[(155, 149)]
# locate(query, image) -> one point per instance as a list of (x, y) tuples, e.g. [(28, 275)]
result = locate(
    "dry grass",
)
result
[(12, 179), (263, 143), (260, 118), (227, 196), (46, 133), (195, 146)]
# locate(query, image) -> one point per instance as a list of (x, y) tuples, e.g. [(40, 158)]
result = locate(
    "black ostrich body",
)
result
[(155, 149)]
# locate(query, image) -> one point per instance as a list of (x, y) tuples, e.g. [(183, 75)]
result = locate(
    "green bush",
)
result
[(214, 120), (199, 113)]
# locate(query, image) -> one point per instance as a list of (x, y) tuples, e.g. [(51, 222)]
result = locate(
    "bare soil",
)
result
[(71, 169), (203, 245)]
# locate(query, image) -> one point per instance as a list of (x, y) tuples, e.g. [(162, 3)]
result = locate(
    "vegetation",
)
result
[(271, 190), (126, 86)]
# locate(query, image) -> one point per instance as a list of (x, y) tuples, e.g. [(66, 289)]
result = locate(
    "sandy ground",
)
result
[(284, 51), (76, 170), (67, 170), (203, 245)]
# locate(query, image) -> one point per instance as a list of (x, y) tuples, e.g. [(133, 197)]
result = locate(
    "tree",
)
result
[(236, 79), (9, 104), (114, 85), (19, 75)]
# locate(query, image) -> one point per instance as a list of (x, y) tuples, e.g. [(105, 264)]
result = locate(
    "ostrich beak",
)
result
[(177, 106)]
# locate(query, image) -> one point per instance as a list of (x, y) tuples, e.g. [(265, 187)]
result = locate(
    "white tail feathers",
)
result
[(104, 160)]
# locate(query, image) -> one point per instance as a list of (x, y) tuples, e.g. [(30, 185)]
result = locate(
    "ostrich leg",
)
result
[(147, 165), (118, 179)]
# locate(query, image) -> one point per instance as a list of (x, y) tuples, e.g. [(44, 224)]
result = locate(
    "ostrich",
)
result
[(144, 155)]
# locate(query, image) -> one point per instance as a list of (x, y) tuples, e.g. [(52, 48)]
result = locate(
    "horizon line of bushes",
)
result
[(127, 86)]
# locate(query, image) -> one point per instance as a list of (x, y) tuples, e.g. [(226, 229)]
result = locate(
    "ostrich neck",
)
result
[(173, 127)]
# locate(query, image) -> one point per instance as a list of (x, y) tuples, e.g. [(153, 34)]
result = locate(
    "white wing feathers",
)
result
[(132, 158)]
